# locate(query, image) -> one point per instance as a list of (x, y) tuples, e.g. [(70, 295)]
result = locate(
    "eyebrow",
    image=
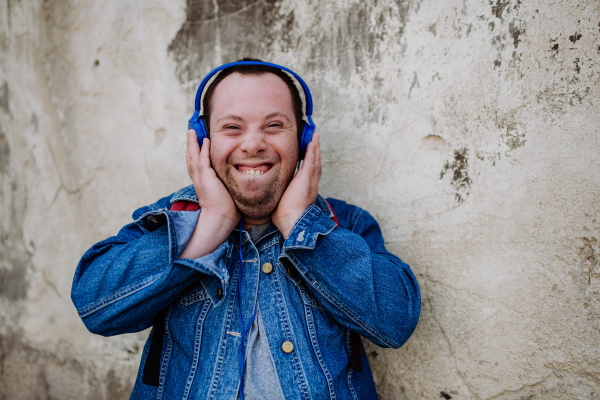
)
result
[(230, 116), (238, 118), (277, 114)]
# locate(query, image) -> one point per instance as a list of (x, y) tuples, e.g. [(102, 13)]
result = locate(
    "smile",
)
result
[(254, 170)]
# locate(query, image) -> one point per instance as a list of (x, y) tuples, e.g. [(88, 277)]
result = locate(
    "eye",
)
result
[(231, 127), (275, 125)]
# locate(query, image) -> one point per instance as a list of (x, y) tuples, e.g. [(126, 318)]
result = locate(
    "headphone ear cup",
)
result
[(197, 124), (306, 138), (204, 129)]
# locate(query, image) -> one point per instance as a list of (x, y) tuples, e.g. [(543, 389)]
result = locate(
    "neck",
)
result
[(249, 222)]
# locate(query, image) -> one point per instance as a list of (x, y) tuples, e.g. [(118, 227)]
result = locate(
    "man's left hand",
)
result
[(302, 190)]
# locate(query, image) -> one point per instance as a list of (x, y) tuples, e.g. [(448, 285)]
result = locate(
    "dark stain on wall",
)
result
[(577, 64), (513, 139), (15, 254), (515, 31), (347, 42), (4, 153), (345, 39), (575, 37), (460, 174), (589, 275), (507, 32), (500, 6), (4, 98), (589, 257), (514, 134), (234, 28)]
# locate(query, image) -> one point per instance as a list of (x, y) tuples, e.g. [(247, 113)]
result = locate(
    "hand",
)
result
[(212, 194), (302, 190), (219, 215)]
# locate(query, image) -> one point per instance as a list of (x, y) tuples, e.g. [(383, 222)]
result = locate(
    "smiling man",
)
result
[(256, 286)]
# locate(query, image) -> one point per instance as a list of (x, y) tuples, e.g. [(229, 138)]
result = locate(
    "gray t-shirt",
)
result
[(260, 375)]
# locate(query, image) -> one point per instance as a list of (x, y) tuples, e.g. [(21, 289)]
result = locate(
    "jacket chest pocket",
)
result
[(309, 300), (193, 294)]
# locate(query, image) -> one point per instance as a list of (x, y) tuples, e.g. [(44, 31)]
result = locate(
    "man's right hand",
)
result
[(218, 215)]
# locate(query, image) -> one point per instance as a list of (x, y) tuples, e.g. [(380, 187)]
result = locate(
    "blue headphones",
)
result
[(198, 124)]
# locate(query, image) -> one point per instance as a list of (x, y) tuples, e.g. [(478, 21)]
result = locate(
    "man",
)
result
[(277, 317)]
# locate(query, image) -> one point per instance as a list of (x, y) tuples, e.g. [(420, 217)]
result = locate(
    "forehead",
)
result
[(252, 94)]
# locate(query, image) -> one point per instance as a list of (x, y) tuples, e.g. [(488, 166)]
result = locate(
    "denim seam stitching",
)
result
[(350, 386), (200, 268), (355, 217), (310, 323), (340, 306), (352, 315), (172, 238), (311, 246), (273, 361), (302, 217), (218, 368), (272, 242), (193, 299), (166, 358), (307, 300), (289, 335), (197, 344), (117, 296)]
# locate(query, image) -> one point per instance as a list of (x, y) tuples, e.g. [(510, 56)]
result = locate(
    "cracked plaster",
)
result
[(469, 129)]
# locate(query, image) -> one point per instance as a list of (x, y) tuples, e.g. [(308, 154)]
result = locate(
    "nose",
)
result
[(253, 141)]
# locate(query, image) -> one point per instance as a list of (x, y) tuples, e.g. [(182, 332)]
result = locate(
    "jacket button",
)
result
[(219, 294), (287, 346), (292, 272), (267, 268)]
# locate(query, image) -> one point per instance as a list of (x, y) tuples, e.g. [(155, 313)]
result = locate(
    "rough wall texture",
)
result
[(469, 128)]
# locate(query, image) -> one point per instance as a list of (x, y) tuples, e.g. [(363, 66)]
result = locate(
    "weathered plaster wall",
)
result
[(470, 129)]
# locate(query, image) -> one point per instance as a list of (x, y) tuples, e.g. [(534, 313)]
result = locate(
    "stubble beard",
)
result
[(263, 203)]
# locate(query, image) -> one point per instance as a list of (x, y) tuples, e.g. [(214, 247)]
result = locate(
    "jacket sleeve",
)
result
[(123, 281), (366, 289)]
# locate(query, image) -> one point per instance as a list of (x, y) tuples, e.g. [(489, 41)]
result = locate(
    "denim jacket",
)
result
[(325, 283)]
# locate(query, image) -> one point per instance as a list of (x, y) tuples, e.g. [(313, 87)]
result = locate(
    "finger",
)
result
[(191, 147), (317, 140), (318, 168), (192, 142), (315, 176), (205, 153)]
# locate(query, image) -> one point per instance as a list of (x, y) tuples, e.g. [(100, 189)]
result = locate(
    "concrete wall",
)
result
[(469, 128)]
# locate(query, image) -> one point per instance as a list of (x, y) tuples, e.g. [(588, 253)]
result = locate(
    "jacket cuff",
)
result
[(184, 224), (312, 223), (181, 227), (213, 264)]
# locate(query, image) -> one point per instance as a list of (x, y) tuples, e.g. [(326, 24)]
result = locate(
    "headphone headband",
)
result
[(207, 78), (198, 124)]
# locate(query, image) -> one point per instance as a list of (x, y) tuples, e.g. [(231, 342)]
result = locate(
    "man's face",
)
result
[(254, 145)]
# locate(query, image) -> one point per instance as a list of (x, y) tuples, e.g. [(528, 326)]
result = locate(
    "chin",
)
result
[(257, 198), (257, 206)]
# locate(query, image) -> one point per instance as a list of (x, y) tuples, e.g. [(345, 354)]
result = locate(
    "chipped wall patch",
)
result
[(460, 174)]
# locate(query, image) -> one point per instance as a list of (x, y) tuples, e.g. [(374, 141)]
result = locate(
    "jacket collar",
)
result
[(188, 193)]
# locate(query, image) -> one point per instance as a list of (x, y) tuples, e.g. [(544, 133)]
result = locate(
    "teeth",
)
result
[(253, 172)]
